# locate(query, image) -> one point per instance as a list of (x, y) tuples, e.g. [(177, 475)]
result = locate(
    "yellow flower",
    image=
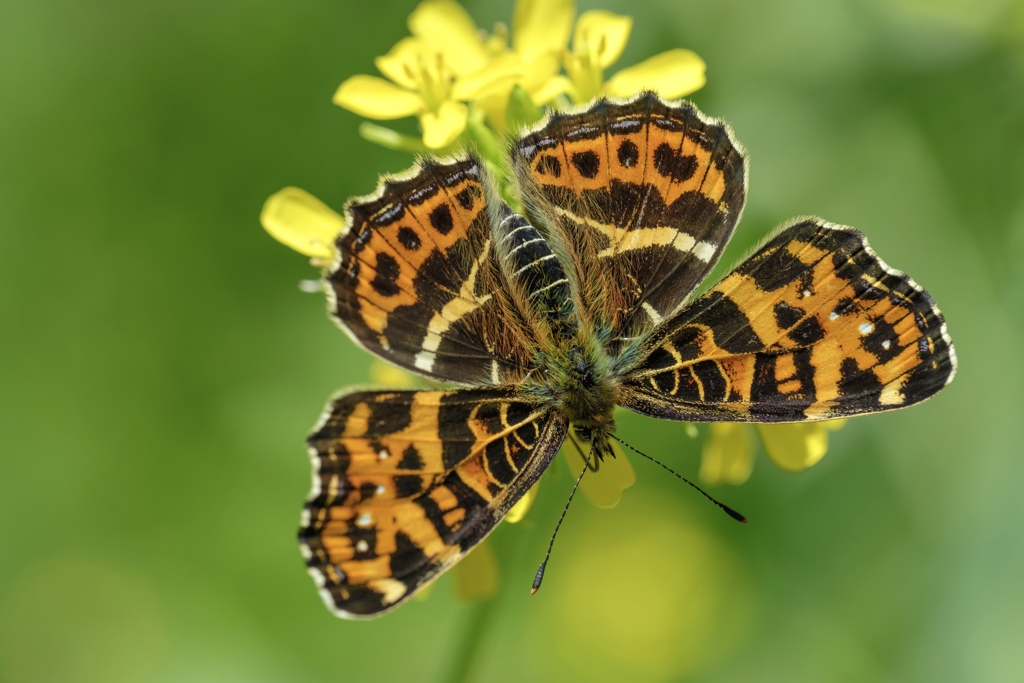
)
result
[(728, 453), (598, 41), (299, 220), (540, 35), (433, 73), (540, 32)]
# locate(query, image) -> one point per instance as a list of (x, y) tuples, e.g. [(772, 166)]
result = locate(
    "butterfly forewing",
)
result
[(406, 482), (812, 326), (417, 280), (642, 195)]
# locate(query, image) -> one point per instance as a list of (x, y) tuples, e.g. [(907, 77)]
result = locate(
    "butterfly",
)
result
[(548, 319)]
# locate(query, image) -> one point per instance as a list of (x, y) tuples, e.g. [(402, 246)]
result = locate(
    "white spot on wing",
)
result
[(652, 313), (364, 520), (318, 577), (865, 328), (362, 546), (892, 393), (424, 360), (705, 251), (391, 590)]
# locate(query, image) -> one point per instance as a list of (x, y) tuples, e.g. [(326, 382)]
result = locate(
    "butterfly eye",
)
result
[(583, 433)]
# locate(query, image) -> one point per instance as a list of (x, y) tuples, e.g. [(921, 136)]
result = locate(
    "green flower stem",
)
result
[(472, 639), (490, 149), (391, 139)]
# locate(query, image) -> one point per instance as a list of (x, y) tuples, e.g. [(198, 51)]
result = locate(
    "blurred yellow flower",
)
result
[(477, 576), (387, 375), (728, 452), (433, 73), (602, 488), (614, 474)]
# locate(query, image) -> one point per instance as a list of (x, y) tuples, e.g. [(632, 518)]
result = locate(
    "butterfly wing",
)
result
[(417, 281), (406, 482), (641, 195), (813, 326)]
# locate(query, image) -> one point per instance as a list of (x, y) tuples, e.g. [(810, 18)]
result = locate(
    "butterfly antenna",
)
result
[(728, 510), (539, 576)]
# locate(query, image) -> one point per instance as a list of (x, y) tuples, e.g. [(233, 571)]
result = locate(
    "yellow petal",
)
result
[(559, 85), (493, 106), (538, 71), (671, 74), (602, 488), (602, 35), (728, 454), (444, 127), (522, 506), (500, 75), (299, 220), (541, 26), (376, 98), (450, 31), (795, 447), (586, 77), (402, 63), (476, 576)]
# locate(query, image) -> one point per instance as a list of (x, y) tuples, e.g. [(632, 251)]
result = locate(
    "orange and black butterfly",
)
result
[(548, 319)]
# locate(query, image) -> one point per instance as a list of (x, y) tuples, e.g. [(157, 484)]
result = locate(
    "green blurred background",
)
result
[(161, 367)]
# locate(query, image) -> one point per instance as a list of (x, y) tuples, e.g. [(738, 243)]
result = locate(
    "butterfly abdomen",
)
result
[(536, 273)]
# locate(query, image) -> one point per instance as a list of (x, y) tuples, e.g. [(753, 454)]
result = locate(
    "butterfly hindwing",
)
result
[(812, 326), (406, 482), (642, 195)]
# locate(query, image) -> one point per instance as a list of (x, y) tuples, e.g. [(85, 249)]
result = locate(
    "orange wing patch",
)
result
[(407, 482), (813, 326)]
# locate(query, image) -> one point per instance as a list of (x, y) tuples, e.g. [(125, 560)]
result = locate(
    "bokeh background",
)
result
[(160, 366)]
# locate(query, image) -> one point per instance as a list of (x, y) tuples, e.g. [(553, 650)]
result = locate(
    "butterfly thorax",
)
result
[(579, 381)]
